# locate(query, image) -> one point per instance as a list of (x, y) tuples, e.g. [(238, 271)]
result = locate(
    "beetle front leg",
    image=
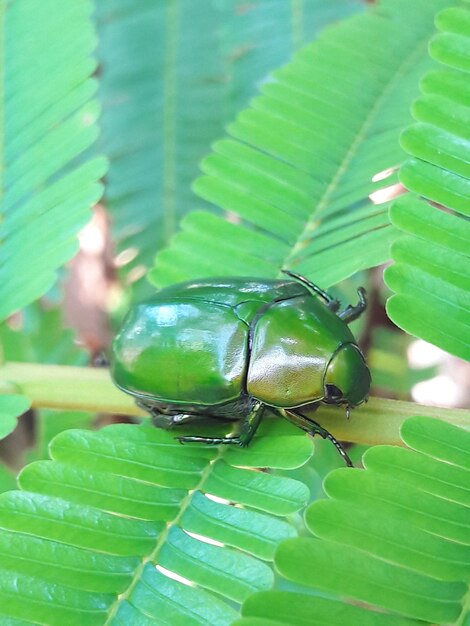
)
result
[(331, 302), (313, 428), (351, 313), (249, 427)]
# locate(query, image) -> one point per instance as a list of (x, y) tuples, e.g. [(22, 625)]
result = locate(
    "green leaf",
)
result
[(427, 553), (56, 519), (87, 528), (277, 608), (299, 165), (157, 598), (93, 571), (431, 280), (394, 537), (421, 471), (375, 582), (258, 490), (445, 441), (234, 526), (230, 573), (265, 453), (24, 595), (173, 74), (49, 121), (432, 265), (11, 407), (13, 622)]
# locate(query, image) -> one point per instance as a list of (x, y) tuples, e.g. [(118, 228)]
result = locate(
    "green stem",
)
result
[(67, 388), (91, 389)]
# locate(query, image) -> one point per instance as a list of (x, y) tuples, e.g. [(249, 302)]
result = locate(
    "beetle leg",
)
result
[(332, 303), (169, 421), (159, 419), (249, 427), (351, 313), (313, 428), (165, 420), (250, 424)]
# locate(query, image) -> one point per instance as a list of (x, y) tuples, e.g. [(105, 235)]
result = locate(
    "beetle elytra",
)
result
[(230, 347)]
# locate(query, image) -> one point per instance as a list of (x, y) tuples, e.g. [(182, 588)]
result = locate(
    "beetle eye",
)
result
[(333, 392)]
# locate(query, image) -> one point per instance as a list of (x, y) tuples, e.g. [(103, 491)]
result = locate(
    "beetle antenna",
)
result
[(332, 303)]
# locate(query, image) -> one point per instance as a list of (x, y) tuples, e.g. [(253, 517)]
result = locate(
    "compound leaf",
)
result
[(49, 121), (173, 74), (299, 171), (98, 533), (393, 539), (430, 276)]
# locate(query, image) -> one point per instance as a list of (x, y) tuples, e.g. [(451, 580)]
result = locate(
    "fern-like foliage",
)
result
[(296, 173), (49, 119), (126, 526), (258, 36), (395, 537), (432, 261), (149, 106), (172, 75), (79, 542)]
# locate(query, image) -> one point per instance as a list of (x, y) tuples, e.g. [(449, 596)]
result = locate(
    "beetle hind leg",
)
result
[(164, 420), (173, 420), (249, 427)]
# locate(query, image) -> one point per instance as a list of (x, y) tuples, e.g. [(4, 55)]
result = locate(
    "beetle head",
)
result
[(347, 378)]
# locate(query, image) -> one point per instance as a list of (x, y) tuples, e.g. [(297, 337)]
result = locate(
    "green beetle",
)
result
[(230, 347)]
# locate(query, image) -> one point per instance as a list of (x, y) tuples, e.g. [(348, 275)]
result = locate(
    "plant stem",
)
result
[(67, 388), (91, 389)]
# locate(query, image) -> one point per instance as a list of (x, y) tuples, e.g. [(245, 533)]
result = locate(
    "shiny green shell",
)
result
[(209, 342)]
